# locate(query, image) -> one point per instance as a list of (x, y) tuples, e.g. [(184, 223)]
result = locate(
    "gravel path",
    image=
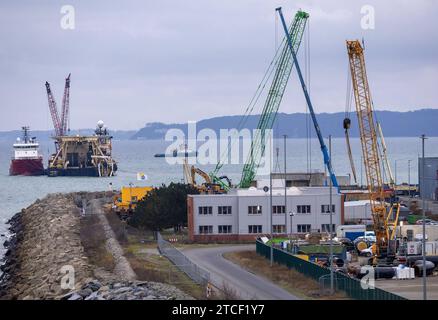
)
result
[(122, 267)]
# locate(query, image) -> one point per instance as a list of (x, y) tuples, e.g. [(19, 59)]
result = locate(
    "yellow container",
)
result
[(302, 256), (129, 196)]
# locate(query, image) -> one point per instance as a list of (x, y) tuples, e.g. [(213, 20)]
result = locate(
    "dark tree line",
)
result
[(163, 207)]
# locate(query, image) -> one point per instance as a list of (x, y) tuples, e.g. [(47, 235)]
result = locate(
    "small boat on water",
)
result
[(26, 160), (182, 152)]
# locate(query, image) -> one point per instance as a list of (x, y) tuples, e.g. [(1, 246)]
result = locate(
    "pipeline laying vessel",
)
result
[(88, 155), (83, 155)]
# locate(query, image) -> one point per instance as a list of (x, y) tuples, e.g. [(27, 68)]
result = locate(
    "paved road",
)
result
[(246, 284)]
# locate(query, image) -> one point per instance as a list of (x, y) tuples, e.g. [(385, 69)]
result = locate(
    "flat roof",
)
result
[(291, 191), (356, 203)]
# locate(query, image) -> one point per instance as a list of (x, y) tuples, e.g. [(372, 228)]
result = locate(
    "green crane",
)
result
[(273, 100), (283, 63)]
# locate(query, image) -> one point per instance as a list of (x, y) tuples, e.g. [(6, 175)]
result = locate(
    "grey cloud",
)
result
[(141, 61)]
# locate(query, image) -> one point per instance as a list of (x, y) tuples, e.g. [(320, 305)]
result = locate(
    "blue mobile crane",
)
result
[(325, 153)]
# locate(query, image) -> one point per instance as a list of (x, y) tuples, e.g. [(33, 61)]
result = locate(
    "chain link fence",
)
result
[(193, 271), (352, 287)]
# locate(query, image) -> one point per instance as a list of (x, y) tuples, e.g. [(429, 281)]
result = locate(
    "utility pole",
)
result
[(423, 251), (409, 177), (331, 225), (285, 188), (270, 213)]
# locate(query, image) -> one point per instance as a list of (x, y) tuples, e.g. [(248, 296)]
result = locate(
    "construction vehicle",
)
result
[(324, 150), (385, 216), (127, 199), (208, 186), (382, 145), (282, 73), (282, 65)]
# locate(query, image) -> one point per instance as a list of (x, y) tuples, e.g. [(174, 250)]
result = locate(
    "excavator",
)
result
[(385, 216), (207, 186)]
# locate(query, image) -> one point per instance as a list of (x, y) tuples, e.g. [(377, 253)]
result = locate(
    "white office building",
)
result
[(243, 214)]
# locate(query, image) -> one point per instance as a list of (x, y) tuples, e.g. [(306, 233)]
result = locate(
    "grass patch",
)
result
[(289, 279), (154, 267), (93, 240), (276, 240)]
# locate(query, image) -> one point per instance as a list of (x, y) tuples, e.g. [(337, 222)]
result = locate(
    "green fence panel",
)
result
[(352, 287)]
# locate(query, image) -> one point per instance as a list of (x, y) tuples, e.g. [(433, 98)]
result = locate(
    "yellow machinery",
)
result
[(384, 217), (129, 196), (208, 186)]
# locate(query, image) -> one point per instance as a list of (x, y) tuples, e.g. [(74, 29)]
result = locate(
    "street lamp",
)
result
[(331, 224), (291, 214), (266, 189), (423, 251)]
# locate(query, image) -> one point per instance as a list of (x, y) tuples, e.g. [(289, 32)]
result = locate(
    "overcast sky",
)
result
[(134, 62)]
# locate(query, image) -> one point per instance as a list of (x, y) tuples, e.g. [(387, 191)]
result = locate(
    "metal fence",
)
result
[(193, 271), (352, 287)]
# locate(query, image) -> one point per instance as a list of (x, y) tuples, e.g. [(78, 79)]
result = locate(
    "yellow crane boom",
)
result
[(384, 220)]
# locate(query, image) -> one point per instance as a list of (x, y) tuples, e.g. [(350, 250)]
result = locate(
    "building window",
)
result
[(224, 210), (278, 209), (325, 208), (326, 227), (205, 229), (303, 209), (205, 210), (303, 228), (278, 228), (224, 229), (254, 229), (254, 209)]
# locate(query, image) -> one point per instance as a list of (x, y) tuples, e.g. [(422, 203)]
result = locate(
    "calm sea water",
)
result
[(137, 156)]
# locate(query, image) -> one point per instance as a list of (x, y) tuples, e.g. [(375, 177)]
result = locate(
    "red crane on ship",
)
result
[(60, 124)]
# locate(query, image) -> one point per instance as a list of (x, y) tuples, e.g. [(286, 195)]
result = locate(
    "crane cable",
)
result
[(307, 117), (347, 123), (254, 100)]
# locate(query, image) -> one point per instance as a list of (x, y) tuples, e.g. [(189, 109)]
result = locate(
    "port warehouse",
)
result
[(243, 214)]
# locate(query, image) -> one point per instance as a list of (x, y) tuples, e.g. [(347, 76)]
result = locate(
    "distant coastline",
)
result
[(294, 125)]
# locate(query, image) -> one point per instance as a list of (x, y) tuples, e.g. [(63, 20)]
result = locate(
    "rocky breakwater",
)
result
[(46, 237), (127, 290), (46, 247)]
